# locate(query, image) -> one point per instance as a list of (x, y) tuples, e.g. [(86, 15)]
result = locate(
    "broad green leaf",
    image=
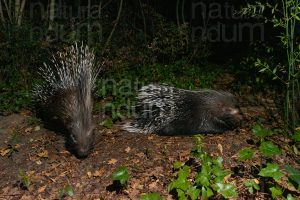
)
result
[(268, 148), (290, 197), (294, 176), (218, 161), (260, 131), (276, 192), (121, 174), (202, 179), (251, 184), (177, 164), (181, 182), (151, 196), (272, 170), (193, 192), (107, 123), (181, 195), (206, 192), (226, 190), (246, 153), (296, 136), (69, 191)]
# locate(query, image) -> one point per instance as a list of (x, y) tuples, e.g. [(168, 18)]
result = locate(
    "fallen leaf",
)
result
[(220, 147), (89, 174), (43, 154), (99, 172), (4, 151), (112, 161), (42, 189), (127, 150), (150, 138)]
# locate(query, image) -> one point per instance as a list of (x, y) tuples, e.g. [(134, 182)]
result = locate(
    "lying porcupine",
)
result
[(171, 111), (65, 96)]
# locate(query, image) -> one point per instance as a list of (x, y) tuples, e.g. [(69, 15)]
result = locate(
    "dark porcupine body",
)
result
[(171, 111), (65, 96)]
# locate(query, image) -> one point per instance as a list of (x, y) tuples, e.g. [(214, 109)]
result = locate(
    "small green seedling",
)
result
[(66, 191), (121, 175), (151, 196), (24, 179)]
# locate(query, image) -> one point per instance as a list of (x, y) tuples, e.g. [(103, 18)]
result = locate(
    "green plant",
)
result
[(24, 179), (121, 175), (252, 185), (151, 196), (208, 179), (66, 191), (246, 154), (285, 18)]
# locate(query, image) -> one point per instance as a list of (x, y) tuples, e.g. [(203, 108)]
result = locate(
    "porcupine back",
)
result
[(171, 111)]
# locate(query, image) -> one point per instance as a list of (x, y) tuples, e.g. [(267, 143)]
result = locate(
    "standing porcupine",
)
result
[(65, 96), (171, 111)]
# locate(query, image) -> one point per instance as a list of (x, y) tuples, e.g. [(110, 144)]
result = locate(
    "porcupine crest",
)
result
[(66, 94)]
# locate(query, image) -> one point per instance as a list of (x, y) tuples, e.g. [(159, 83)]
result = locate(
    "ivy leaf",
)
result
[(276, 192), (206, 192), (193, 192), (246, 154), (151, 196), (121, 174), (260, 131), (226, 190), (272, 170), (294, 176), (177, 164), (290, 197), (252, 184), (268, 148), (181, 182)]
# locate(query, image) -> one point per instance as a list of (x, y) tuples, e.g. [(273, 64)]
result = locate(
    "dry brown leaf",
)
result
[(4, 151), (42, 189), (112, 161), (43, 154), (99, 172), (220, 147), (127, 150), (89, 174), (150, 138)]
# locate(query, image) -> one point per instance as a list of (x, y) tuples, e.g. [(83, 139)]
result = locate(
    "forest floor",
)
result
[(49, 167)]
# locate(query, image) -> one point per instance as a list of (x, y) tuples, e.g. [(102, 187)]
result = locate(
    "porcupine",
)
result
[(168, 110), (65, 96)]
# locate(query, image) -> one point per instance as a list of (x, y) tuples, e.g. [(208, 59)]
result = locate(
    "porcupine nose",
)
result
[(82, 152)]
